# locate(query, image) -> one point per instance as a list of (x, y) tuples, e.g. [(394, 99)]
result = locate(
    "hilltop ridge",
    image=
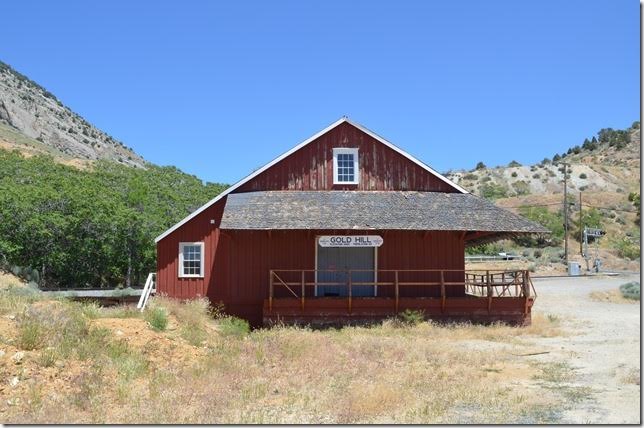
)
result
[(45, 124)]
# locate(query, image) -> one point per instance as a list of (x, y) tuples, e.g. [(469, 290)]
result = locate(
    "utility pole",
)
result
[(581, 233), (565, 208)]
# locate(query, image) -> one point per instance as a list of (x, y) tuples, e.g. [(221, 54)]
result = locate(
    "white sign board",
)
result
[(350, 241)]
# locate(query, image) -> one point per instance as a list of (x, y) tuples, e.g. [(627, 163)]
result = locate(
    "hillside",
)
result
[(605, 170), (43, 122)]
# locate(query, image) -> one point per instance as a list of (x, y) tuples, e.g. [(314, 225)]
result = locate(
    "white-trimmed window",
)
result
[(191, 259), (345, 166)]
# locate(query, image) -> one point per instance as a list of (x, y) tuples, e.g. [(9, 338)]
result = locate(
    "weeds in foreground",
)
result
[(411, 317), (232, 326), (387, 373), (157, 318)]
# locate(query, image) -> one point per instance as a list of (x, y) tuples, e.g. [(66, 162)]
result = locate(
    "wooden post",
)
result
[(396, 289), (442, 291), (526, 290), (270, 291), (489, 291), (349, 291), (303, 287)]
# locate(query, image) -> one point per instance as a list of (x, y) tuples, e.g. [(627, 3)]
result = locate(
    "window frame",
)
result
[(202, 269), (356, 170)]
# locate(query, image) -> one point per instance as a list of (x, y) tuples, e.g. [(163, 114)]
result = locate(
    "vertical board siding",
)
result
[(238, 263), (381, 168)]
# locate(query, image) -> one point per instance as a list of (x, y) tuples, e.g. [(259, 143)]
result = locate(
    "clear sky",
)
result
[(221, 88)]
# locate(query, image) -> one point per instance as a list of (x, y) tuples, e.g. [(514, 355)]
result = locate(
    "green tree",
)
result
[(94, 227), (553, 221)]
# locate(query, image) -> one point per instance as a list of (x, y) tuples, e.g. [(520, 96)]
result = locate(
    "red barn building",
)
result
[(344, 227)]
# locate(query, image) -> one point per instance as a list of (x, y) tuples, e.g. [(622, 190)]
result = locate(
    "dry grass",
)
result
[(611, 296), (195, 373), (632, 376)]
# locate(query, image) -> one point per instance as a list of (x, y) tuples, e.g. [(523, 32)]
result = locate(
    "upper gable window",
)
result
[(345, 166)]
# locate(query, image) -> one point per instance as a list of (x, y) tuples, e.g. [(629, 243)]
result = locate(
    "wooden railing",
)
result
[(477, 283)]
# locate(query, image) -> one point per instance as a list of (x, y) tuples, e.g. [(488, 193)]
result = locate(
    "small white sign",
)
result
[(350, 241)]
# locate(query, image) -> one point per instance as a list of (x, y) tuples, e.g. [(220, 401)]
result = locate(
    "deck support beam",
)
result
[(442, 292)]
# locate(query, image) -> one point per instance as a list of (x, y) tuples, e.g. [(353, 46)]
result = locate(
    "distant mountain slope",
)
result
[(605, 170), (31, 110), (604, 166)]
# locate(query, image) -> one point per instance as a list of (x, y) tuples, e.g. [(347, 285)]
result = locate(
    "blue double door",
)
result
[(334, 264)]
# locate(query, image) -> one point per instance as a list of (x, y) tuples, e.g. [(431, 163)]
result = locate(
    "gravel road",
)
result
[(603, 345)]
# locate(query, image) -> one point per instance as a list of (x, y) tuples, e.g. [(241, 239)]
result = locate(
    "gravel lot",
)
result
[(603, 346)]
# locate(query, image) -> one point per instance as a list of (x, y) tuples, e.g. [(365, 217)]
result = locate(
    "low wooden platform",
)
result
[(449, 295), (336, 310)]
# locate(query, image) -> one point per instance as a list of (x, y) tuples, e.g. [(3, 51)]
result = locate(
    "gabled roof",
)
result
[(378, 210), (296, 148)]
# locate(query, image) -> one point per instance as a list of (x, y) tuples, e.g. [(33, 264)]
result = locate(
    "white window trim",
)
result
[(356, 171), (203, 267)]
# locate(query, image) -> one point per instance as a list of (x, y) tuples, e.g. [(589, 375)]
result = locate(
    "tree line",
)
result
[(94, 227)]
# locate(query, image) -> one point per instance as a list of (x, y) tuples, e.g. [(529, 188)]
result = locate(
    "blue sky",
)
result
[(220, 88)]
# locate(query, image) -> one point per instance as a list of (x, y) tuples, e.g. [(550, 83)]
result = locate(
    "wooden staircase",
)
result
[(148, 289)]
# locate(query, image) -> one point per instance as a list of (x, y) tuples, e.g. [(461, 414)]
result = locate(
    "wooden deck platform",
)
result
[(482, 297), (335, 310)]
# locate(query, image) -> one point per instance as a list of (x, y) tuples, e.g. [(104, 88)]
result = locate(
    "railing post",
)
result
[(489, 291), (442, 291), (349, 273), (526, 289), (396, 289), (270, 291), (303, 287)]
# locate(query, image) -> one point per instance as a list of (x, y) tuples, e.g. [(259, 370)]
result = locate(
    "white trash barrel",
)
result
[(574, 269)]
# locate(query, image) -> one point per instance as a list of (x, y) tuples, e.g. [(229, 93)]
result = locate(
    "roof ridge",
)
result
[(343, 119)]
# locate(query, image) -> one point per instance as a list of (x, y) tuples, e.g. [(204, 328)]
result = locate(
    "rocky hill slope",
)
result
[(605, 170), (33, 119)]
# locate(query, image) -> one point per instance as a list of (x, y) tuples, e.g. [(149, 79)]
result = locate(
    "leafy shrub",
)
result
[(583, 176), (537, 254), (551, 220), (412, 317), (493, 191), (537, 176), (514, 164), (233, 326), (627, 249), (480, 165), (630, 290), (521, 187), (514, 174), (470, 176), (157, 318)]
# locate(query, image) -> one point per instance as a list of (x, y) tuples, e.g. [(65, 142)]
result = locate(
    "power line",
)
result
[(610, 209), (559, 203), (535, 205)]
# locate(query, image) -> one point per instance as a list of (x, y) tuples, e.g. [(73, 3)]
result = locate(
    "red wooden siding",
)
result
[(238, 262), (199, 229), (381, 168)]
